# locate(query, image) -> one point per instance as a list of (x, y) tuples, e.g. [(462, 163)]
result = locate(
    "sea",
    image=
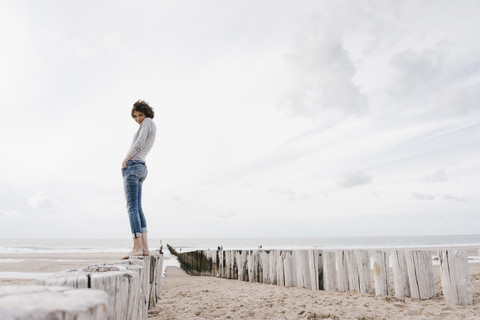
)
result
[(18, 246)]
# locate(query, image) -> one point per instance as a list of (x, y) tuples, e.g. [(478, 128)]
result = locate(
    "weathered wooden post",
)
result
[(280, 267), (228, 264), (221, 266), (401, 282), (300, 268), (251, 266), (420, 274), (342, 270), (352, 269), (120, 286), (242, 265), (265, 262), (456, 282), (316, 264), (364, 271), (52, 303), (381, 273), (158, 282), (288, 269), (329, 270), (259, 266), (272, 263)]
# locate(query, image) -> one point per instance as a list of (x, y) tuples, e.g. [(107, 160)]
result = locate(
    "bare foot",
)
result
[(146, 252), (133, 253)]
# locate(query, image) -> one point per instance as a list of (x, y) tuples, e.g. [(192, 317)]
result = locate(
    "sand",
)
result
[(189, 297)]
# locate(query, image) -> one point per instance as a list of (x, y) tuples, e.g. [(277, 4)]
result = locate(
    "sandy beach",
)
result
[(190, 297), (187, 297)]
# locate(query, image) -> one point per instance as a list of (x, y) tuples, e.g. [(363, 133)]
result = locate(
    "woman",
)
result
[(134, 172)]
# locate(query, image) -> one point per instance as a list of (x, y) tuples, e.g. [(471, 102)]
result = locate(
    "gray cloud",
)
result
[(438, 175), (454, 198), (354, 178), (429, 196), (422, 196), (227, 213), (322, 74), (416, 72), (290, 194)]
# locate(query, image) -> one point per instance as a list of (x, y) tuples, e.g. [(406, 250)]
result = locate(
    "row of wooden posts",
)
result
[(344, 270), (115, 290)]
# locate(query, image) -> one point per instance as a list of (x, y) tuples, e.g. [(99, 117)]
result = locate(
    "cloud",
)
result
[(227, 213), (9, 212), (321, 78), (438, 175), (429, 196), (422, 196), (354, 178), (454, 198), (290, 194), (417, 72), (41, 200)]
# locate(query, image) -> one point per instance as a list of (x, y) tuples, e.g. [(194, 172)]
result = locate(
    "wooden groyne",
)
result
[(115, 290), (344, 270)]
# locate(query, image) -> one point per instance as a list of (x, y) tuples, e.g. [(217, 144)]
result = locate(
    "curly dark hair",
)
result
[(143, 106)]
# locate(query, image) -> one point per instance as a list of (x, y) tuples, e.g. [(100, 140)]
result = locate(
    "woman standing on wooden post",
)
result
[(134, 172)]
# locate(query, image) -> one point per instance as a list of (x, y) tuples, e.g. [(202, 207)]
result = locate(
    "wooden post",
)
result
[(251, 266), (273, 260), (120, 286), (456, 283), (401, 282), (329, 270), (381, 273), (258, 267), (41, 302), (319, 262), (420, 274), (364, 271), (352, 269), (342, 270), (280, 267), (242, 265), (288, 268), (264, 258), (159, 279), (316, 265)]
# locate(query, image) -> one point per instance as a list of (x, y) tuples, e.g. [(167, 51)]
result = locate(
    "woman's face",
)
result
[(138, 116)]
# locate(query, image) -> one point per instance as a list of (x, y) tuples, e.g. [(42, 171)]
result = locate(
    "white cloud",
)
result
[(454, 198), (226, 213), (422, 196), (417, 72), (9, 212), (438, 175), (354, 178), (42, 200), (290, 194), (322, 71)]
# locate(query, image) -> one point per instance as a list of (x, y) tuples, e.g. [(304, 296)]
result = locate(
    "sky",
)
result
[(274, 118)]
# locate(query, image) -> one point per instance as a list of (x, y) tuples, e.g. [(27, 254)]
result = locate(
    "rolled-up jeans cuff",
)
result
[(137, 235), (144, 230)]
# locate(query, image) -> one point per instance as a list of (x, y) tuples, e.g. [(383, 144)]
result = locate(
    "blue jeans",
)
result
[(133, 176)]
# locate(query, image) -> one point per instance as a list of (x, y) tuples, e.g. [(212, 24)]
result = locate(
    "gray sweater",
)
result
[(143, 140)]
